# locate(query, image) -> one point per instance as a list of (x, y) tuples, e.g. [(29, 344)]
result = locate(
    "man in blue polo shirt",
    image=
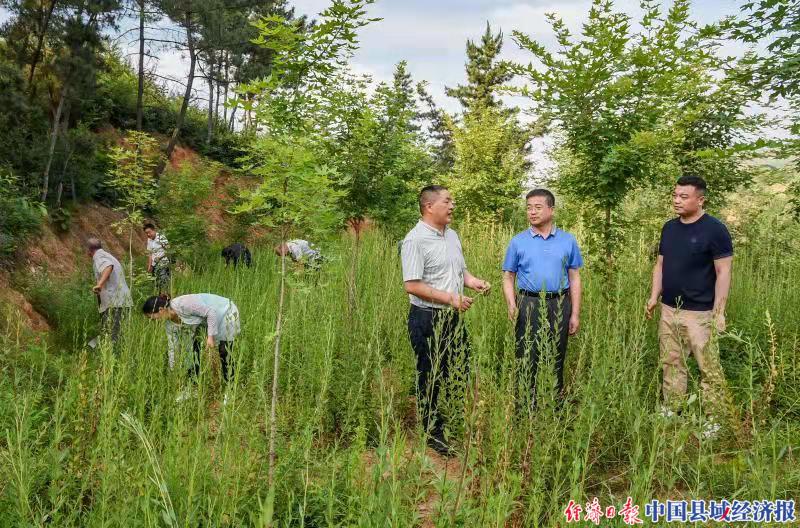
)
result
[(544, 261)]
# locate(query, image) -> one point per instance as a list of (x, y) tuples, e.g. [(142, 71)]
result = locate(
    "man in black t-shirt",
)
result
[(693, 276)]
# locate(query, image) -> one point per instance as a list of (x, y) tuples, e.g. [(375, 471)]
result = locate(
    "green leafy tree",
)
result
[(489, 146), (379, 151), (490, 167), (181, 192), (637, 109), (288, 104), (776, 70), (132, 177)]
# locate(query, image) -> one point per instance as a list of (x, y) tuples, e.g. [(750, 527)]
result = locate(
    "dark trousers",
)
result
[(111, 321), (162, 273), (436, 337), (226, 362), (533, 337)]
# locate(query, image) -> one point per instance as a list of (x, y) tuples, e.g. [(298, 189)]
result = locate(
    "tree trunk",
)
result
[(608, 241), (216, 98), (225, 98), (355, 224), (59, 190), (37, 53), (130, 256), (233, 114), (53, 139), (140, 89), (273, 423), (173, 140), (210, 131), (61, 178)]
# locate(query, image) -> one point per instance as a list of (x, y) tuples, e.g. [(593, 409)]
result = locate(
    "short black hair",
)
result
[(148, 225), (550, 199), (695, 181), (426, 194), (155, 303)]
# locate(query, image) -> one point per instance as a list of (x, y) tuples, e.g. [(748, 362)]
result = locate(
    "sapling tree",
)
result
[(132, 177), (297, 192)]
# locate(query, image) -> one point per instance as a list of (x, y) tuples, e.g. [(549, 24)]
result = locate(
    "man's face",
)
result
[(687, 200), (441, 208), (151, 233), (539, 212)]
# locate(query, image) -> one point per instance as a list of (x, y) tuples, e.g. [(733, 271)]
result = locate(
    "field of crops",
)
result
[(97, 440)]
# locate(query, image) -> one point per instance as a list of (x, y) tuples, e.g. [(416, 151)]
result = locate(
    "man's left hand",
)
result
[(210, 342), (96, 288), (482, 286), (719, 321), (574, 324)]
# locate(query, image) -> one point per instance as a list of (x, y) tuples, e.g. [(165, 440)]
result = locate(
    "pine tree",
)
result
[(485, 72)]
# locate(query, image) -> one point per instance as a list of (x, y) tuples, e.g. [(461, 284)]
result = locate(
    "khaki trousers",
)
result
[(680, 331)]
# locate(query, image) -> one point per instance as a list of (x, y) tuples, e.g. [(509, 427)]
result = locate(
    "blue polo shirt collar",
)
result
[(535, 234)]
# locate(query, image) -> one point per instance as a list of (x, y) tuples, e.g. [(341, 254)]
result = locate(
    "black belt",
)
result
[(429, 308), (547, 295)]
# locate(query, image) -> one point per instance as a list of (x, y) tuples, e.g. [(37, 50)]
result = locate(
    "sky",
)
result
[(431, 34)]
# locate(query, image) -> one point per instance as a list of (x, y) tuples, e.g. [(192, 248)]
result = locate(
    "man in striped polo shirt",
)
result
[(434, 275)]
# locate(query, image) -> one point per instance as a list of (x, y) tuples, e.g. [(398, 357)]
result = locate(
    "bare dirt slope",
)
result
[(61, 255)]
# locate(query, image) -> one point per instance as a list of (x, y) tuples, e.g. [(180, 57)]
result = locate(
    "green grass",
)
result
[(93, 440)]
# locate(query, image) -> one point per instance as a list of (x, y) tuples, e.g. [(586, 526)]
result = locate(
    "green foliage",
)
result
[(489, 166), (489, 147), (351, 451), (378, 150), (486, 74), (306, 64), (299, 192), (777, 24), (65, 304), (635, 110), (296, 194), (180, 195), (132, 175), (21, 217), (775, 71)]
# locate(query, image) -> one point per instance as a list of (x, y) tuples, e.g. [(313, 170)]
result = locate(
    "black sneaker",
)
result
[(438, 444)]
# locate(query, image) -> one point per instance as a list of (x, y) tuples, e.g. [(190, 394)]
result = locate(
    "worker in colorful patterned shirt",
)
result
[(158, 263)]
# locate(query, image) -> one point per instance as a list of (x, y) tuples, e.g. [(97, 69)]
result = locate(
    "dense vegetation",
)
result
[(320, 426)]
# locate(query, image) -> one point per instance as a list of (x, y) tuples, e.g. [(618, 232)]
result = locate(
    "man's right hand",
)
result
[(513, 311), (650, 308), (460, 302)]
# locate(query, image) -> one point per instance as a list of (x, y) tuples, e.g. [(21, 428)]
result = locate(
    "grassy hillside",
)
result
[(94, 439)]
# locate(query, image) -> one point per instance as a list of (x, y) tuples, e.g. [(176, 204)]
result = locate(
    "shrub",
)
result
[(181, 191)]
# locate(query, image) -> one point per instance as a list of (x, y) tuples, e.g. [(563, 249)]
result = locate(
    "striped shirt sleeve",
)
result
[(411, 256)]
